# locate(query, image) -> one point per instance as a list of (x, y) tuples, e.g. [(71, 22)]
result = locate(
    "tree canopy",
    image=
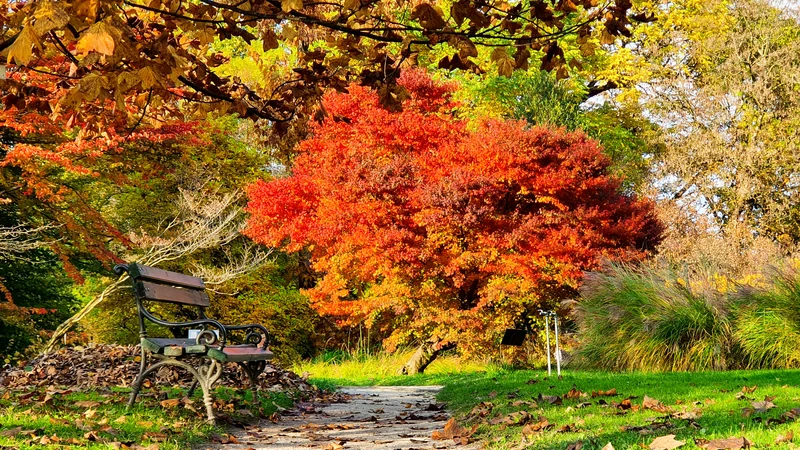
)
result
[(430, 228), (108, 53)]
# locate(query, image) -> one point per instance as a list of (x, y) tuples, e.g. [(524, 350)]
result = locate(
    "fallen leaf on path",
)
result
[(749, 390), (667, 442), (608, 447), (724, 444), (575, 446), (436, 407)]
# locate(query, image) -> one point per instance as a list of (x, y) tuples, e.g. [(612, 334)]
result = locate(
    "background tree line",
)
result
[(111, 153)]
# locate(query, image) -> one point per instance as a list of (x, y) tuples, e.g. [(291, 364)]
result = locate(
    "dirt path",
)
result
[(383, 417)]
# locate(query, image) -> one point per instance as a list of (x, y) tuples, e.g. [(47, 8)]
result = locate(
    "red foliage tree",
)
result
[(439, 230)]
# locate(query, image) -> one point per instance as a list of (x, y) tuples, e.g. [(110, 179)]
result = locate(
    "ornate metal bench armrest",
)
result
[(255, 334), (223, 336)]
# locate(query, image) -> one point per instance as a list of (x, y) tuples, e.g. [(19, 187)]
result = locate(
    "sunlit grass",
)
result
[(381, 368), (714, 395), (98, 418)]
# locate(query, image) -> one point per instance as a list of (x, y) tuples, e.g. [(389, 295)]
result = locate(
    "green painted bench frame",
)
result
[(204, 356)]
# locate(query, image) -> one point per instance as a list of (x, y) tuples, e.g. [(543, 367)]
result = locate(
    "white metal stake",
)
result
[(547, 334), (558, 350)]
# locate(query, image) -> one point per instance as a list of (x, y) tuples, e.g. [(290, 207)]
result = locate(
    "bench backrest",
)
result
[(163, 286)]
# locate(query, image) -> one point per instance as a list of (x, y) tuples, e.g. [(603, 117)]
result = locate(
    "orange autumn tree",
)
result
[(441, 232)]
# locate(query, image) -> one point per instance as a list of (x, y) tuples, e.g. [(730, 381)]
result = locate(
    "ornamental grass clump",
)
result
[(650, 319), (767, 323)]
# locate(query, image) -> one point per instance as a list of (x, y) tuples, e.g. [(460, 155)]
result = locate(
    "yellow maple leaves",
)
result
[(100, 37), (291, 5), (21, 51), (49, 16)]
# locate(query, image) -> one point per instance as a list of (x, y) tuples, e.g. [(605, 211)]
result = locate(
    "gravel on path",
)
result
[(375, 417)]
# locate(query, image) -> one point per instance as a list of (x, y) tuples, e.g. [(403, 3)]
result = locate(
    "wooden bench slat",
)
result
[(162, 293), (159, 345), (140, 272), (240, 354)]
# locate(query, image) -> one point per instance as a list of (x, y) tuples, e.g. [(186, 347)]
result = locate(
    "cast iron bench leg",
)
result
[(205, 375), (253, 369)]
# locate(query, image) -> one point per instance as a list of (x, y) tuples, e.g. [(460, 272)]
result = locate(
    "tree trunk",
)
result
[(424, 356)]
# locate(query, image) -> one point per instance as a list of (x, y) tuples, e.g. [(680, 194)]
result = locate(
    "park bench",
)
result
[(204, 355)]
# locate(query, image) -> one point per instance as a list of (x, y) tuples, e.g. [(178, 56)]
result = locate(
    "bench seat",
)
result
[(236, 353), (231, 353)]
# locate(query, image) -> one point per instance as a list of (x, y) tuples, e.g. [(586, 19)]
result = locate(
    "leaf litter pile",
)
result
[(662, 423), (71, 398), (117, 365)]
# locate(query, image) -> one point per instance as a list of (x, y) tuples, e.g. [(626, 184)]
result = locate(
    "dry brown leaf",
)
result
[(574, 394), (156, 437), (687, 415), (763, 406), (608, 447), (551, 399), (170, 402), (86, 404), (533, 428), (575, 446), (726, 444), (749, 390), (667, 442), (653, 404), (453, 430), (517, 418), (783, 438), (608, 393)]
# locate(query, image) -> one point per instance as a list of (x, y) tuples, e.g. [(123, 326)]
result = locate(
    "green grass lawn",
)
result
[(53, 418), (696, 406)]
